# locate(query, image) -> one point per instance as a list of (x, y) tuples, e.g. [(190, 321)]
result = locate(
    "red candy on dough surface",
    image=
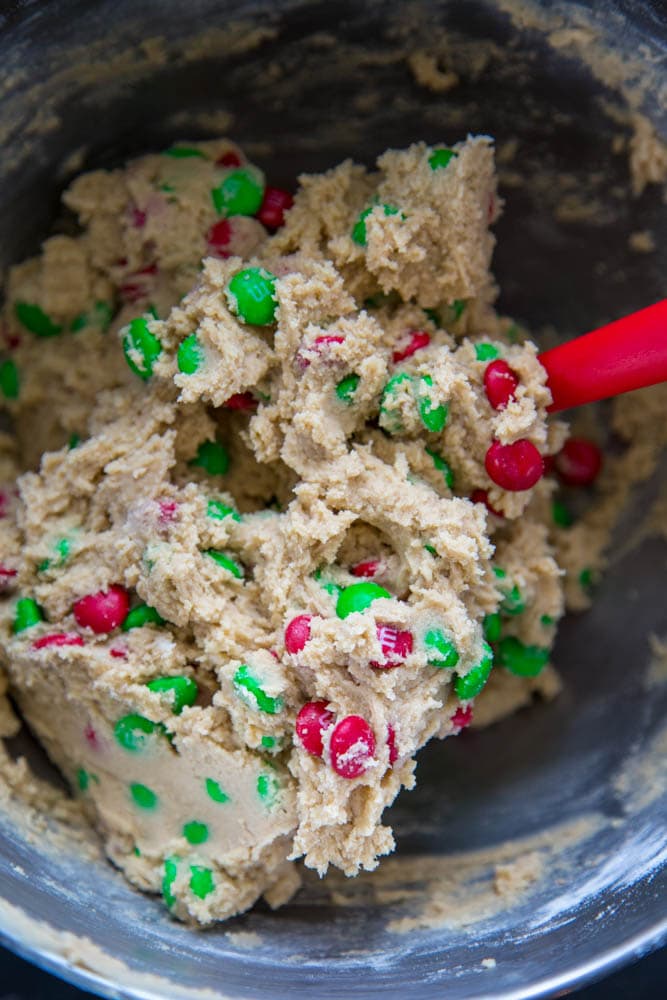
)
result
[(481, 496), (396, 645), (500, 383), (391, 744), (368, 568), (417, 340), (274, 205), (244, 401), (297, 633), (578, 463), (313, 718), (351, 747), (103, 611), (462, 717), (219, 236), (229, 159), (515, 466), (58, 639)]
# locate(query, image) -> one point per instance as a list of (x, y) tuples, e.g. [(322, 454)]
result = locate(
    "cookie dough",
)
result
[(275, 511)]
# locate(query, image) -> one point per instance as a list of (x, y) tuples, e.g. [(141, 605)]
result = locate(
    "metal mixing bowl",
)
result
[(71, 80)]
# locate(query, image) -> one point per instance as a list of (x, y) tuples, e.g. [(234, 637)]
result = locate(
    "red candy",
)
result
[(351, 747), (367, 568), (274, 205), (396, 645), (104, 611), (462, 717), (311, 721), (7, 573), (229, 159), (391, 744), (418, 339), (241, 401), (500, 383), (138, 218), (168, 511), (218, 237), (297, 633), (137, 285), (58, 639), (317, 345), (515, 466), (578, 463), (91, 737), (481, 496), (118, 653)]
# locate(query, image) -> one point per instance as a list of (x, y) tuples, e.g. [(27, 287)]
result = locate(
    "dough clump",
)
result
[(250, 474)]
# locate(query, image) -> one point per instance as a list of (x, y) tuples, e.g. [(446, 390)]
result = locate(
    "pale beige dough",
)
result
[(317, 484)]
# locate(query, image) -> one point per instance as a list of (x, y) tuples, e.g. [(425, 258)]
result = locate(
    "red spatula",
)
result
[(630, 353)]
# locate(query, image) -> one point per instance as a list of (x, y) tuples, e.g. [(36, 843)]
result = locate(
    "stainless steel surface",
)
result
[(604, 902)]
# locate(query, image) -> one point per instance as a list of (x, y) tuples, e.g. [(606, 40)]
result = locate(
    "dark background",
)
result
[(645, 980)]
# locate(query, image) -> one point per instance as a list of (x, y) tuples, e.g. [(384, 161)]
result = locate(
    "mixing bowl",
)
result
[(302, 85)]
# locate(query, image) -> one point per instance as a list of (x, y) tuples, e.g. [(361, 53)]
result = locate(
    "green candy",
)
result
[(27, 614), (442, 466), (176, 691), (226, 562), (215, 792), (202, 882), (561, 515), (441, 651), (440, 157), (491, 627), (184, 152), (143, 796), (101, 315), (358, 597), (268, 742), (268, 788), (457, 308), (433, 417), (190, 355), (133, 732), (249, 688), (512, 602), (74, 440), (82, 779), (586, 579), (430, 548), (218, 511), (62, 548), (251, 295), (346, 389), (36, 320), (359, 234), (433, 315), (143, 614), (213, 457), (525, 661), (195, 832), (388, 401), (141, 348), (486, 352), (10, 381), (472, 683), (168, 879), (546, 620), (240, 193)]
